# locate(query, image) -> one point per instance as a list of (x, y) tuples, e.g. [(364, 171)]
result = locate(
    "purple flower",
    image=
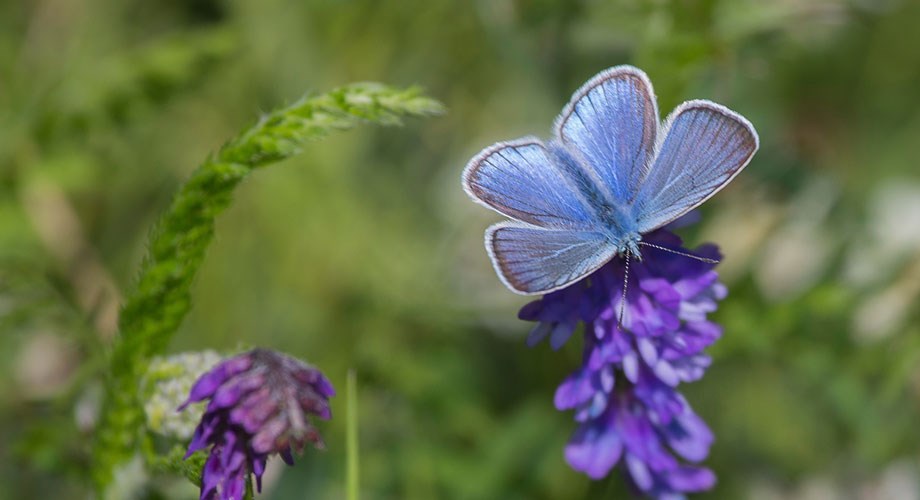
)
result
[(260, 403), (624, 395)]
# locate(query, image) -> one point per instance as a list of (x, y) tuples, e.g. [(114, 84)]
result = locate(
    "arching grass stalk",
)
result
[(161, 299)]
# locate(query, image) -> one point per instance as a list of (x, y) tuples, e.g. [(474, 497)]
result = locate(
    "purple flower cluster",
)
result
[(260, 403), (625, 394)]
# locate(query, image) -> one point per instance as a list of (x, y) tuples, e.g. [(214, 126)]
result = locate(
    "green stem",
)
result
[(161, 299), (351, 437)]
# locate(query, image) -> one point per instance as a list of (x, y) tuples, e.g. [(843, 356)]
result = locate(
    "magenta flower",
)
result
[(260, 405), (625, 394)]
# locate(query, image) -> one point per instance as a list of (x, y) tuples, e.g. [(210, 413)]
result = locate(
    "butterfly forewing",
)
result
[(518, 179), (533, 260), (611, 123), (704, 147)]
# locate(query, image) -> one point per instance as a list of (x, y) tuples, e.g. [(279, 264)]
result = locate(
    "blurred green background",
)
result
[(364, 252)]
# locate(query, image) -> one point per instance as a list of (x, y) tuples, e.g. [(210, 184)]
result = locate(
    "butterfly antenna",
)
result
[(623, 298), (675, 252)]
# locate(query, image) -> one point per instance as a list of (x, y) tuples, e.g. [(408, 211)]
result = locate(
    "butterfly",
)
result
[(611, 173)]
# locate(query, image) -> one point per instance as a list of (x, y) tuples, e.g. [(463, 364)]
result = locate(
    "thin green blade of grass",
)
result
[(352, 473)]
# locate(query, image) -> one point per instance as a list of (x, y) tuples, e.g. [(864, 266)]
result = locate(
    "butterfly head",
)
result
[(629, 244)]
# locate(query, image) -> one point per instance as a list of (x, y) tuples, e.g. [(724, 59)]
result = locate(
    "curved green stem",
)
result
[(161, 299)]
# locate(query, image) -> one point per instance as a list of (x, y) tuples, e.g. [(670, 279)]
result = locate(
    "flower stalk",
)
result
[(627, 407)]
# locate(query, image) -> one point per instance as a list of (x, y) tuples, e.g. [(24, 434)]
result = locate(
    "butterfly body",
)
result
[(611, 173), (613, 216)]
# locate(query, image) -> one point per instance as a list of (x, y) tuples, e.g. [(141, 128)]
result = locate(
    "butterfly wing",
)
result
[(532, 260), (554, 240), (519, 179), (612, 122), (705, 146)]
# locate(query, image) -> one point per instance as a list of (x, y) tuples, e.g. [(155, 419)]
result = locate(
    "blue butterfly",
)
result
[(610, 174)]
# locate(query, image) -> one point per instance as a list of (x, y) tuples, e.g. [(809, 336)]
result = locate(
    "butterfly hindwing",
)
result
[(704, 147), (612, 122), (520, 180), (533, 260)]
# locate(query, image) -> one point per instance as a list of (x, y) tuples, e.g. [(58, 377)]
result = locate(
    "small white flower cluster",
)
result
[(166, 386)]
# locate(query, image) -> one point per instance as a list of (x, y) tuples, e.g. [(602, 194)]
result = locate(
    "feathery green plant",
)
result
[(154, 310)]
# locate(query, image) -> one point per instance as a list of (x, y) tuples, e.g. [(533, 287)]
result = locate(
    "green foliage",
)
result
[(153, 311), (175, 462), (367, 255)]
